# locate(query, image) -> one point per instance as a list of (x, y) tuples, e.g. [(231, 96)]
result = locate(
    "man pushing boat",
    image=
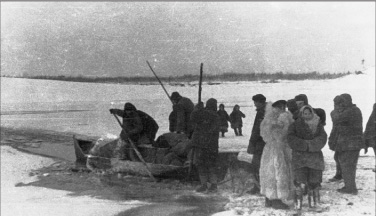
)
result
[(137, 126)]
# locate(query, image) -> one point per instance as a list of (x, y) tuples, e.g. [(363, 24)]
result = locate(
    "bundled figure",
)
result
[(205, 144), (337, 108), (306, 137), (346, 139), (138, 127), (223, 119), (276, 178), (180, 116), (256, 142), (236, 120)]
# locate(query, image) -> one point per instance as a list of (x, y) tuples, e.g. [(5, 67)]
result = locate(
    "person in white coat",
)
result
[(276, 177)]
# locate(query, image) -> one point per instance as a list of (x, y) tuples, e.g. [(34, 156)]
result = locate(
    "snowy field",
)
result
[(83, 108)]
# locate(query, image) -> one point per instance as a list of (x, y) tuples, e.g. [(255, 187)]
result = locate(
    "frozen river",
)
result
[(83, 107)]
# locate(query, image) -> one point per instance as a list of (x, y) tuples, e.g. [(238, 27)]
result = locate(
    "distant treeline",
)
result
[(229, 77)]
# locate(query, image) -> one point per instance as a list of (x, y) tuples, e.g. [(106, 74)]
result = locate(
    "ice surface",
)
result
[(83, 107)]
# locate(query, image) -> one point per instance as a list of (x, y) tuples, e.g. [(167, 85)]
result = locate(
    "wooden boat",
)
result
[(105, 162)]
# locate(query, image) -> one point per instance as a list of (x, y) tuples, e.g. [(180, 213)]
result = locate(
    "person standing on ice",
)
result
[(138, 126), (205, 143), (180, 118), (276, 178), (337, 108), (256, 142), (236, 120), (346, 138), (302, 100), (306, 137), (370, 132), (224, 118)]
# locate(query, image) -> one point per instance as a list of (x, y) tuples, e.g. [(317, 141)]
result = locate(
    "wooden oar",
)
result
[(137, 152)]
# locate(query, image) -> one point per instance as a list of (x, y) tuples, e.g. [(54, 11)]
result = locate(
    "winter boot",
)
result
[(278, 204), (202, 188), (316, 196), (268, 202), (213, 188), (310, 196), (298, 198)]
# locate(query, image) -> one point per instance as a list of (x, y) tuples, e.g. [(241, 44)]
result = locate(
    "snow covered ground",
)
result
[(83, 108)]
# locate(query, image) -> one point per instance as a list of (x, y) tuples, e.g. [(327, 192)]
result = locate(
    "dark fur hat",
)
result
[(302, 97), (279, 103), (259, 98)]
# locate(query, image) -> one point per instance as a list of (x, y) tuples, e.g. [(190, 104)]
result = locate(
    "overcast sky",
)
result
[(237, 36)]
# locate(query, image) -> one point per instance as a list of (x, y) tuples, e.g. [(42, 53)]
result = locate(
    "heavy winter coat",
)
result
[(306, 142), (138, 124), (256, 143), (370, 131), (347, 131), (224, 118), (236, 118), (206, 121), (276, 177), (183, 111), (205, 135)]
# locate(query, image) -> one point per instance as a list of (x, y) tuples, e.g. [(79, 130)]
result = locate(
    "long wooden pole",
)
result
[(137, 152), (159, 81), (200, 83)]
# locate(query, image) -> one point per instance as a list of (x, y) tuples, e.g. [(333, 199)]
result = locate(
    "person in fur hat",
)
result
[(224, 118), (276, 178), (138, 126), (236, 120), (346, 139), (180, 116), (306, 137), (205, 144)]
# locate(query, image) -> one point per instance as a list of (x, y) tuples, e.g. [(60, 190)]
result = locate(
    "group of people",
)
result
[(286, 144), (287, 147)]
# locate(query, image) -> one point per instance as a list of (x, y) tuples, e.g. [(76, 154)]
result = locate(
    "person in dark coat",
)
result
[(138, 126), (370, 132), (224, 118), (256, 142), (172, 121), (302, 100), (346, 138), (183, 107), (205, 144), (236, 120), (306, 137), (337, 108), (293, 108)]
